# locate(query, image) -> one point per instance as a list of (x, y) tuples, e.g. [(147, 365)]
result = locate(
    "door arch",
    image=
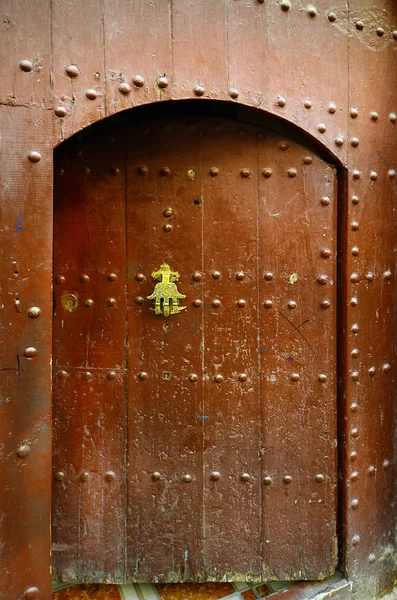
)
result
[(198, 446)]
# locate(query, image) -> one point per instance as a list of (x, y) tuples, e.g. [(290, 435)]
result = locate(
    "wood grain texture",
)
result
[(26, 215)]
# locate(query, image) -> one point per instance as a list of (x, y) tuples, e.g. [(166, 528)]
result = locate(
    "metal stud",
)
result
[(34, 312), (354, 277), (354, 142), (386, 464), (295, 377), (26, 66), (34, 156), (162, 82), (186, 478), (325, 304), (355, 352), (291, 172), (268, 304), (354, 504), (91, 94), (284, 146), (326, 253), (354, 476), (359, 25), (168, 227), (110, 475), (268, 276), (124, 88), (386, 368), (387, 275), (354, 433), (84, 476), (355, 328), (240, 276), (156, 476), (354, 407), (72, 71), (197, 302), (165, 171), (23, 451), (193, 377), (307, 160), (373, 175), (31, 593), (371, 371), (215, 475), (142, 170), (355, 540), (280, 101), (371, 470), (62, 374), (138, 81), (374, 116), (332, 105), (218, 378), (339, 141), (325, 200), (391, 173), (85, 171), (214, 171), (142, 375), (245, 173), (371, 558), (111, 375), (215, 275), (216, 303), (245, 477), (89, 302), (322, 128), (322, 279), (87, 375), (291, 304), (319, 478), (322, 378), (307, 104), (356, 174), (354, 301), (111, 301), (241, 303), (355, 200), (353, 456), (267, 173), (355, 251), (60, 111), (355, 376), (114, 171), (233, 93), (59, 476), (394, 35), (30, 352), (199, 90), (285, 5), (84, 278), (353, 113), (311, 11), (243, 377), (267, 480), (287, 479), (355, 225), (168, 212)]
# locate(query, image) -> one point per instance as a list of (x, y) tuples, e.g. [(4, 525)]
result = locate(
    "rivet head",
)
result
[(245, 476), (233, 93), (355, 540), (353, 407), (371, 558), (374, 116), (215, 475), (326, 253), (322, 378), (287, 479), (291, 172), (386, 368), (142, 170), (307, 160), (354, 142), (355, 251), (34, 312), (165, 171), (386, 464), (394, 35), (354, 301), (240, 276), (268, 304), (355, 225), (218, 378), (124, 88), (325, 304), (139, 300), (392, 117), (355, 376), (197, 302), (355, 352), (355, 200), (280, 101), (91, 94), (216, 303), (391, 173), (371, 470), (193, 377), (156, 476), (111, 375), (168, 227), (284, 146), (307, 104), (142, 375), (110, 475), (332, 17), (354, 433), (319, 478), (325, 200), (322, 128), (84, 278), (138, 81), (285, 5), (295, 377), (267, 480), (291, 304), (215, 275), (26, 66), (162, 82), (339, 141), (60, 111), (187, 478), (31, 593), (87, 375), (30, 352), (355, 328), (359, 25), (168, 212), (89, 302), (243, 377), (354, 476), (356, 174), (23, 450), (387, 275), (372, 371), (84, 476), (111, 301), (59, 476), (354, 277), (353, 456), (112, 276), (353, 113), (245, 173), (332, 105), (60, 279), (72, 71), (34, 157), (311, 11), (241, 303), (268, 276), (354, 504), (373, 175), (197, 276), (322, 279), (214, 171), (62, 374), (85, 171), (199, 90), (267, 173)]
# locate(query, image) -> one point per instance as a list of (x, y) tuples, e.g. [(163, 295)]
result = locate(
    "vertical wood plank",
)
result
[(199, 49), (137, 40), (25, 459), (25, 39)]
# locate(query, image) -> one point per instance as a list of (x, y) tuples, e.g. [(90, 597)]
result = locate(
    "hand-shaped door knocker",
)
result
[(165, 294)]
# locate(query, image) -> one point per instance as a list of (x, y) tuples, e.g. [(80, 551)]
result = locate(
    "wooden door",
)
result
[(200, 445)]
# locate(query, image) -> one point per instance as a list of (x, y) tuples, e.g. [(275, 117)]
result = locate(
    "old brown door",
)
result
[(200, 445)]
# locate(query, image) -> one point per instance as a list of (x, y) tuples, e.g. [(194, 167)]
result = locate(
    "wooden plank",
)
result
[(78, 65), (137, 39), (165, 514), (25, 460), (199, 31), (25, 54), (231, 406), (298, 360)]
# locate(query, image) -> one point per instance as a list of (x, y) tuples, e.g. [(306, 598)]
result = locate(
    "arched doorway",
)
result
[(199, 445)]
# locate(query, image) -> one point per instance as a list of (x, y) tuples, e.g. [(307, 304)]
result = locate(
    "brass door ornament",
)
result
[(165, 294)]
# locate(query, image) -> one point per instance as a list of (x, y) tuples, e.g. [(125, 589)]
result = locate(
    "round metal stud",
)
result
[(386, 368), (339, 141), (245, 173), (392, 117), (216, 303), (354, 353), (139, 300), (322, 279), (354, 476), (355, 200), (280, 101), (307, 160), (34, 157), (34, 312), (84, 278), (23, 451), (187, 478), (142, 375), (312, 11), (291, 304), (197, 302), (287, 479), (267, 480), (215, 275), (168, 227), (233, 93), (371, 470), (355, 376), (285, 5), (72, 71), (291, 172), (110, 475), (353, 407), (325, 200), (373, 175), (30, 352), (355, 540), (111, 301), (307, 104), (113, 276), (354, 301), (156, 476), (353, 113), (354, 433), (138, 81), (380, 31), (268, 276), (325, 304), (84, 476), (218, 378), (354, 504), (89, 302), (359, 25), (322, 378), (240, 276), (374, 115), (197, 276), (356, 174), (59, 476), (394, 35), (87, 375), (31, 593), (142, 170), (162, 82), (60, 279), (387, 275), (268, 304), (319, 478), (26, 66), (372, 371), (168, 212), (243, 377), (60, 111), (391, 173), (284, 146), (124, 88), (241, 303), (355, 225), (165, 171), (354, 277), (326, 253), (215, 475), (295, 377), (193, 377), (199, 90), (386, 464), (322, 128), (62, 374), (355, 251), (267, 173), (91, 94), (214, 171), (353, 456), (114, 171), (371, 558), (370, 277), (332, 105), (355, 328), (245, 477)]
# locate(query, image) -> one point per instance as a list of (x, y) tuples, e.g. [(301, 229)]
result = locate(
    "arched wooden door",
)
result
[(200, 445)]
